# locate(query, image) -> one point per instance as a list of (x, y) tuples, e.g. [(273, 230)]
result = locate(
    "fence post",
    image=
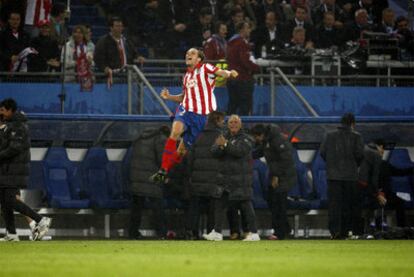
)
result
[(272, 93), (129, 76), (141, 97)]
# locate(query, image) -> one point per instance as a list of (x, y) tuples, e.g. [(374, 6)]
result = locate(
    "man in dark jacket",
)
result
[(14, 170), (375, 177), (238, 57), (343, 151), (277, 150), (268, 40), (113, 51), (234, 157), (203, 169), (146, 158)]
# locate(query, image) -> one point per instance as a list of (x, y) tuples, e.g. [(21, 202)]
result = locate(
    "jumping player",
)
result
[(196, 102)]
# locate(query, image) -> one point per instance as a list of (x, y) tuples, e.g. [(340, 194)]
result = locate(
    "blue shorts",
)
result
[(193, 125)]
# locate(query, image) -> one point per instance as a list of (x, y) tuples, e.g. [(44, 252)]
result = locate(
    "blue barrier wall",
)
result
[(328, 101)]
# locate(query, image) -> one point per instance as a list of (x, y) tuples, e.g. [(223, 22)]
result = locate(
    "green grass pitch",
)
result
[(202, 258)]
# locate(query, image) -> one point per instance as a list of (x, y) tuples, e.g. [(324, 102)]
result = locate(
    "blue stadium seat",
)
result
[(260, 184), (302, 191), (62, 181), (37, 179), (318, 169), (401, 159), (101, 178)]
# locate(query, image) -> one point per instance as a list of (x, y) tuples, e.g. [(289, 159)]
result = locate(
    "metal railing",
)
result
[(142, 79)]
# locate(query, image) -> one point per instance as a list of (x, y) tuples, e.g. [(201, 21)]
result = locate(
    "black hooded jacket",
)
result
[(147, 151), (14, 152)]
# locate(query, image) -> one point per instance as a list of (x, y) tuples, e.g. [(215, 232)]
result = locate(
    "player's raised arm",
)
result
[(165, 94), (227, 73)]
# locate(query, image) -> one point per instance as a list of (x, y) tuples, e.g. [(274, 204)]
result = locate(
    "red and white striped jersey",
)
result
[(198, 89), (37, 10)]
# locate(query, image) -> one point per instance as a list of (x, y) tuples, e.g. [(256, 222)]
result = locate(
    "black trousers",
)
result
[(9, 204), (341, 197), (240, 97), (237, 220), (200, 206), (137, 206), (278, 207), (221, 206)]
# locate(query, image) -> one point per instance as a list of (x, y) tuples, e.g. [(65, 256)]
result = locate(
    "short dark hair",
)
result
[(57, 9), (215, 116), (301, 7), (235, 11), (239, 26), (9, 104), (205, 11), (258, 129), (348, 119), (217, 26), (113, 19), (380, 142), (399, 19)]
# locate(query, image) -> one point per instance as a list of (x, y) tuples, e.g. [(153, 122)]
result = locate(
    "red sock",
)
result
[(170, 149)]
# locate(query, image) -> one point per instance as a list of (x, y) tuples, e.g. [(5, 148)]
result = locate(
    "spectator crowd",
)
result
[(165, 29)]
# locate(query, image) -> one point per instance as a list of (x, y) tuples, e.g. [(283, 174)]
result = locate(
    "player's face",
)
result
[(192, 58)]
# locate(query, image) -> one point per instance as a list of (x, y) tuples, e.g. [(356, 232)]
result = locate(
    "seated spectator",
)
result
[(261, 8), (201, 30), (13, 42), (353, 31), (216, 7), (405, 37), (237, 16), (388, 22), (327, 35), (58, 28), (300, 20), (153, 30), (176, 17), (77, 49), (268, 40), (233, 152), (298, 40), (245, 6), (366, 5), (48, 57), (318, 13)]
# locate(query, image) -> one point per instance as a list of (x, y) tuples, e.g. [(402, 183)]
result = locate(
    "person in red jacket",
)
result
[(239, 58)]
